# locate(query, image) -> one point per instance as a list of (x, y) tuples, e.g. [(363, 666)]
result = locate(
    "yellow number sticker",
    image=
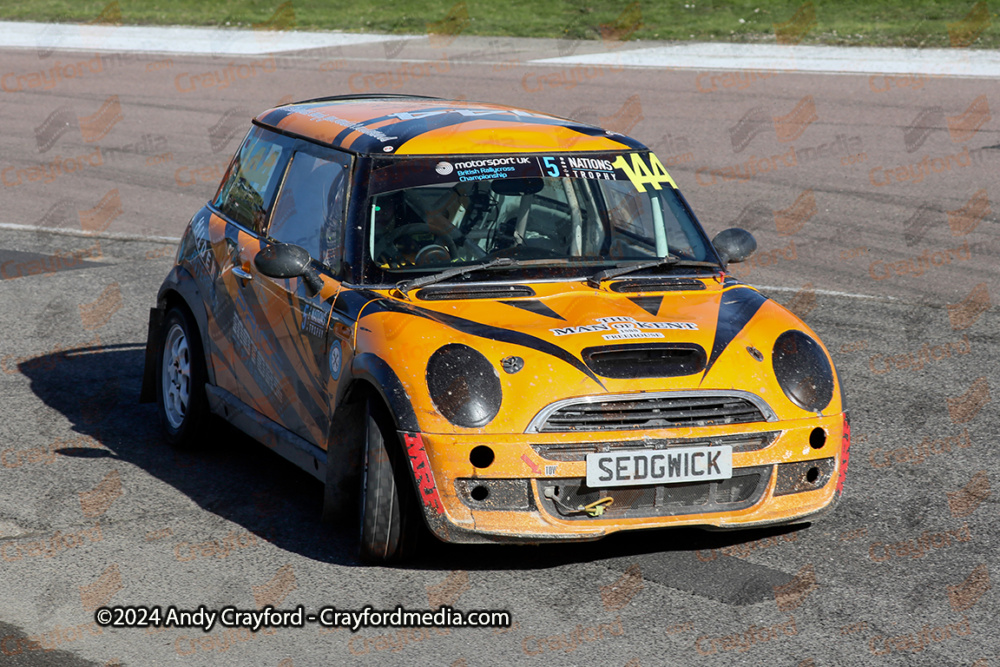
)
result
[(642, 174)]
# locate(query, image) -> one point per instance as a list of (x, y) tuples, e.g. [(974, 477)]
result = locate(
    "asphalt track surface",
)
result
[(896, 269)]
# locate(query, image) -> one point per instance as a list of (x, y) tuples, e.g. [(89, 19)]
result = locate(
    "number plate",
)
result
[(659, 466)]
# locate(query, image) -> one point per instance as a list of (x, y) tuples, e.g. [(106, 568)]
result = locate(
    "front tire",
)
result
[(390, 518), (180, 380)]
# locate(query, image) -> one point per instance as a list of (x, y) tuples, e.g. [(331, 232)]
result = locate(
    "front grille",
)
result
[(474, 292), (561, 497), (660, 411), (577, 451)]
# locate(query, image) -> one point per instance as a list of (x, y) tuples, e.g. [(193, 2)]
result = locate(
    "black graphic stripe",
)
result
[(738, 307), (651, 304), (536, 307), (282, 362), (486, 331)]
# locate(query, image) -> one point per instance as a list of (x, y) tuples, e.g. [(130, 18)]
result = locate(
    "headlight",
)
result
[(463, 385), (803, 371)]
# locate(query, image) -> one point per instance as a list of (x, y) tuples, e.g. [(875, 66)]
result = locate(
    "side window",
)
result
[(248, 189), (311, 206)]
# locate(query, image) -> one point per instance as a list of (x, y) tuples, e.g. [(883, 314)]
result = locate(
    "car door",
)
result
[(288, 317), (249, 366)]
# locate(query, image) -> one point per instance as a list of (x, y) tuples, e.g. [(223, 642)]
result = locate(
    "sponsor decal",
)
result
[(478, 170), (313, 320), (422, 471), (336, 359), (845, 456), (577, 167), (642, 174), (625, 327), (444, 168)]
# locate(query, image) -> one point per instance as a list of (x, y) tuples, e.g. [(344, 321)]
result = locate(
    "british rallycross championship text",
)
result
[(269, 617)]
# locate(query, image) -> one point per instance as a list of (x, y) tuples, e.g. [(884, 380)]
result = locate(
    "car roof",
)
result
[(416, 125)]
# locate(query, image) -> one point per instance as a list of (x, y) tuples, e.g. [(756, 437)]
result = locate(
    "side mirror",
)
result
[(286, 260), (734, 245)]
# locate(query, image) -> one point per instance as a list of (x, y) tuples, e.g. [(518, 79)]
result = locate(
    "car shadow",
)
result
[(242, 481)]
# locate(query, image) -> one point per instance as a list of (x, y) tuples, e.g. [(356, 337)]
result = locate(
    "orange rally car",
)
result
[(501, 324)]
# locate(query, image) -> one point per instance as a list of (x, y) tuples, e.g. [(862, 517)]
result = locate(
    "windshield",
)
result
[(556, 213)]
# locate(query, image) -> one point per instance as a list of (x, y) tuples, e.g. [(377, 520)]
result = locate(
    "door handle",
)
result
[(241, 274)]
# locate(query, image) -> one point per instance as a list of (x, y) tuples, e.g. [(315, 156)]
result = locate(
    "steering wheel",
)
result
[(387, 245)]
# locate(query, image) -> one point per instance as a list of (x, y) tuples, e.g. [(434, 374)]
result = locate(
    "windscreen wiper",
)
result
[(621, 269), (406, 285)]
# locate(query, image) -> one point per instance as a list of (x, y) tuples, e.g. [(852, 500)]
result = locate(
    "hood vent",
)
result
[(645, 360), (658, 285), (446, 292)]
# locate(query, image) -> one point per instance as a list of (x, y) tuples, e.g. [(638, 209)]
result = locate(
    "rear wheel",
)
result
[(180, 380), (390, 518)]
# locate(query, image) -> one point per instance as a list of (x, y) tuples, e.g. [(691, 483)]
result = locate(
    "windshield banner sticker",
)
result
[(641, 169), (625, 327), (479, 170)]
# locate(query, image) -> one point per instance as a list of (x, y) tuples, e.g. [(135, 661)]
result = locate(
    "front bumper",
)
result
[(531, 490)]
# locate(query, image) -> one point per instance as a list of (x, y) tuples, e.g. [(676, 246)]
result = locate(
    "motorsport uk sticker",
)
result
[(625, 327)]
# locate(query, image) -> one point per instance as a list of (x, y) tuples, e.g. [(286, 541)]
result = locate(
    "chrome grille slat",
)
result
[(597, 414)]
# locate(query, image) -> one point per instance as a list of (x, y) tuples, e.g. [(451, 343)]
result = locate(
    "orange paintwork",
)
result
[(407, 342)]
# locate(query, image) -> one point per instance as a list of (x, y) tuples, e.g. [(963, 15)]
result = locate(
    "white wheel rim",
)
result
[(176, 376)]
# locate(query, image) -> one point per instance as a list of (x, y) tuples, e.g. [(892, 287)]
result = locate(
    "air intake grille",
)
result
[(651, 413), (561, 497), (474, 292), (645, 360)]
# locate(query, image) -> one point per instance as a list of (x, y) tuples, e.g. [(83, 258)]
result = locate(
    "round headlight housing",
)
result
[(803, 371), (464, 385)]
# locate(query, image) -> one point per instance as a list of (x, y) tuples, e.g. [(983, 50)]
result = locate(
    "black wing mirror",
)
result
[(734, 245), (287, 260)]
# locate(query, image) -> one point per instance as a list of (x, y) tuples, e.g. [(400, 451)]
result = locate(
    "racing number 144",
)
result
[(642, 174)]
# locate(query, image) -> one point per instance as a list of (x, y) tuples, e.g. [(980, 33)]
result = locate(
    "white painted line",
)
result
[(176, 39), (786, 58), (62, 231), (823, 292)]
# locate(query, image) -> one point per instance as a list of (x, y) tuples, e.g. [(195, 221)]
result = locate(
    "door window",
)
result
[(310, 208), (248, 189)]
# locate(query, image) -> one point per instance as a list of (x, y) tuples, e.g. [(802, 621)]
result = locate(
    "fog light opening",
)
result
[(481, 456), (817, 438), (480, 493), (812, 475)]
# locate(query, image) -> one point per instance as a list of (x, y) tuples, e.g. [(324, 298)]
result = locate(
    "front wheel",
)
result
[(180, 380), (390, 518)]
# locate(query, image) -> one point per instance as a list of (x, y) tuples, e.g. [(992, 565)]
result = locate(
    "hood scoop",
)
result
[(658, 285), (645, 360), (448, 292)]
